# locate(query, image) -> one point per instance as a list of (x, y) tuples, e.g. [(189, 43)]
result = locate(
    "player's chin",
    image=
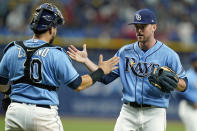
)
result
[(141, 40)]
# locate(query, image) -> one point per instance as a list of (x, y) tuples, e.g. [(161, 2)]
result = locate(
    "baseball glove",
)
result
[(164, 79)]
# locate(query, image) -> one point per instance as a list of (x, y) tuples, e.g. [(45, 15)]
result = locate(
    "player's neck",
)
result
[(41, 37), (147, 45)]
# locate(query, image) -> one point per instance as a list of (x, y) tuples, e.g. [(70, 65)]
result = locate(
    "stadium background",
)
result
[(103, 26)]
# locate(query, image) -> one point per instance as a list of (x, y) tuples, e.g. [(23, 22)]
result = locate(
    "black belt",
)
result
[(38, 105), (136, 105)]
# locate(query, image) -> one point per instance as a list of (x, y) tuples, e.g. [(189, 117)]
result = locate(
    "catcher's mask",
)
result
[(45, 17)]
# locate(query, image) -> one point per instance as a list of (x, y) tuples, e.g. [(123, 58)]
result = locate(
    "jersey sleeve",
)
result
[(4, 78), (175, 64), (190, 94), (65, 71), (5, 61), (4, 67), (106, 79)]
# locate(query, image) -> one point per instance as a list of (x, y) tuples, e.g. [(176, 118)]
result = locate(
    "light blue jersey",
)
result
[(55, 70), (191, 94), (136, 65)]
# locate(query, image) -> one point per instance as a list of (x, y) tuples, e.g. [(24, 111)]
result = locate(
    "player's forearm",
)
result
[(86, 82), (181, 85), (90, 65)]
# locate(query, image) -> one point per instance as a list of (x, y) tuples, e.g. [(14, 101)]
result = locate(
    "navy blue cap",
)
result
[(144, 16), (193, 57)]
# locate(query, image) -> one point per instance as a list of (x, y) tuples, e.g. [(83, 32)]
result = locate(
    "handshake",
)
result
[(82, 57)]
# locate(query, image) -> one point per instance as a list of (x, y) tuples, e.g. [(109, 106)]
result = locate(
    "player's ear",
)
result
[(154, 27)]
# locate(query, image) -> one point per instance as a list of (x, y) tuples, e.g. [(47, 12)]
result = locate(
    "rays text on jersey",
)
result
[(141, 69)]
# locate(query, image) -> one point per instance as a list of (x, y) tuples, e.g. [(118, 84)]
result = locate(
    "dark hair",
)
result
[(38, 33)]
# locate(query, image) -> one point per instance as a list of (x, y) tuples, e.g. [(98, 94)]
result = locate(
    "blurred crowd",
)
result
[(177, 19)]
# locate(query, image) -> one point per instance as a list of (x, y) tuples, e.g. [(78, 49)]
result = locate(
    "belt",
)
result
[(38, 105), (136, 105)]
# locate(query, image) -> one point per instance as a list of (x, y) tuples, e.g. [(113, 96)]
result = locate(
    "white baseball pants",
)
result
[(141, 119), (28, 117)]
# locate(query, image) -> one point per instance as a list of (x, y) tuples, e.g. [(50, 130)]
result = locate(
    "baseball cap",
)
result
[(144, 16)]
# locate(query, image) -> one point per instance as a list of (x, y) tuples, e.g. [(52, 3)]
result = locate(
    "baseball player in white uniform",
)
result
[(146, 83)]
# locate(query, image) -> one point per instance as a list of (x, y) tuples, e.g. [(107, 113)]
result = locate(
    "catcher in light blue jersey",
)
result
[(35, 70), (149, 71), (188, 104)]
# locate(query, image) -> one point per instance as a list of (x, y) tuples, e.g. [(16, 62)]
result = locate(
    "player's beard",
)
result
[(143, 39), (140, 39)]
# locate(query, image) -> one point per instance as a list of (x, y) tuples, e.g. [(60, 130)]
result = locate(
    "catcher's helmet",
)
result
[(45, 17)]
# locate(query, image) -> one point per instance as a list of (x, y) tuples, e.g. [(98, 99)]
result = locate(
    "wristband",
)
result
[(97, 75)]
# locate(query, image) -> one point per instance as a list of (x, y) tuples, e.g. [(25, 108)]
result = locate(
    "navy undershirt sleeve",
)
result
[(76, 83), (106, 79)]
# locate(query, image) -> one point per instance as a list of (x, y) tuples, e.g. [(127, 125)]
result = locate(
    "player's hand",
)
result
[(109, 65), (77, 55)]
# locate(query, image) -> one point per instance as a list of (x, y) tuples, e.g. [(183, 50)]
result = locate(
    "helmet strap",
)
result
[(37, 20)]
